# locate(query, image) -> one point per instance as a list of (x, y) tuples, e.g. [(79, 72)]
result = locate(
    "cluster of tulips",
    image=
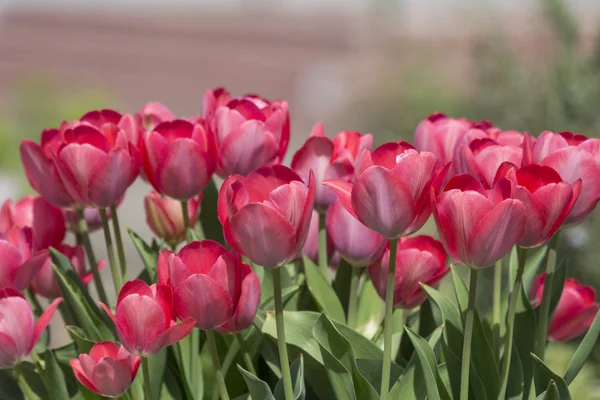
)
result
[(323, 237)]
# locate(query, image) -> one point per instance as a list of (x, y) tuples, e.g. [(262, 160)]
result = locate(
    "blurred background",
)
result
[(377, 66)]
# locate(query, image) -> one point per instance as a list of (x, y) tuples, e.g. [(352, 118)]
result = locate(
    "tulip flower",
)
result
[(266, 215), (249, 132), (357, 244), (177, 159), (573, 157), (575, 310), (419, 259), (392, 188), (46, 221), (546, 197), (214, 99), (482, 158), (478, 227), (112, 123), (329, 159), (18, 261), (18, 332), (164, 216), (144, 319), (108, 369), (311, 245), (211, 285), (154, 113)]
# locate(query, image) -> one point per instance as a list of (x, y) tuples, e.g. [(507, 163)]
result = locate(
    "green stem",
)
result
[(283, 356), (89, 251), (194, 361), (27, 392), (468, 336), (496, 311), (214, 355), (146, 372), (388, 321), (353, 295), (186, 220), (245, 354), (119, 240), (110, 251), (510, 323), (323, 263), (542, 330)]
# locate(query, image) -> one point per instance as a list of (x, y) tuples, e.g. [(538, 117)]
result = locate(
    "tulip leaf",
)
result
[(340, 362), (297, 372), (269, 305), (258, 388), (34, 380), (460, 290), (174, 375), (341, 283), (209, 220), (558, 283), (535, 258), (515, 385), (583, 350), (157, 363), (65, 353), (543, 376), (84, 345), (10, 387), (551, 393), (370, 310), (322, 292), (55, 380), (148, 254), (524, 332)]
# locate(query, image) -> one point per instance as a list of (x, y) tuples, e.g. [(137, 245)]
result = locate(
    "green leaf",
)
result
[(10, 387), (535, 258), (543, 375), (524, 332), (460, 290), (65, 353), (54, 379), (208, 213), (148, 254), (322, 292), (370, 310), (515, 386), (297, 372), (84, 345), (341, 283), (174, 378), (583, 350), (551, 393), (34, 380), (426, 358), (157, 364), (558, 283), (340, 362), (258, 388)]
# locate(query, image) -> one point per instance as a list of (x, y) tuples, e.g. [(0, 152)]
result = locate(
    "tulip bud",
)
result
[(164, 216), (18, 333), (108, 370)]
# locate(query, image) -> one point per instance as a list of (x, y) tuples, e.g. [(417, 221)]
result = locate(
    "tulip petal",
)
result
[(10, 262), (343, 191), (9, 353), (573, 326), (262, 181), (200, 298), (81, 376), (136, 286), (109, 183), (111, 377), (108, 312), (16, 321), (200, 256), (176, 332), (246, 306), (140, 321), (77, 164), (44, 320)]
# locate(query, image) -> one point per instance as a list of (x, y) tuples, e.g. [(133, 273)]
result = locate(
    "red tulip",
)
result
[(112, 123), (46, 221), (392, 188), (482, 157), (573, 157), (211, 285), (329, 159), (419, 259), (18, 261), (108, 370), (144, 318), (249, 132), (575, 311), (164, 216), (214, 99), (266, 215), (18, 333), (177, 159), (311, 245), (357, 244), (478, 227), (546, 197), (91, 216), (154, 113)]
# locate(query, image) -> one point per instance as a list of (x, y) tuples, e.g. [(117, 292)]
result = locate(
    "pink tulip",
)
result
[(311, 245), (144, 318), (108, 370), (392, 188), (18, 333), (478, 227), (46, 221), (482, 157), (419, 259), (266, 215), (575, 311), (329, 159), (249, 132), (214, 99), (112, 123), (91, 216), (546, 197), (164, 216), (357, 244), (211, 285), (154, 113), (178, 159), (18, 261), (573, 157)]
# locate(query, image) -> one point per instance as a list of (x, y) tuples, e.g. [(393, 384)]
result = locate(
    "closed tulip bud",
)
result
[(177, 159), (329, 159), (419, 259), (154, 113), (214, 99), (574, 157), (18, 332), (211, 285), (478, 227), (391, 191), (46, 221), (249, 132), (164, 216), (18, 260), (108, 369), (575, 310), (357, 244), (266, 215), (144, 318)]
